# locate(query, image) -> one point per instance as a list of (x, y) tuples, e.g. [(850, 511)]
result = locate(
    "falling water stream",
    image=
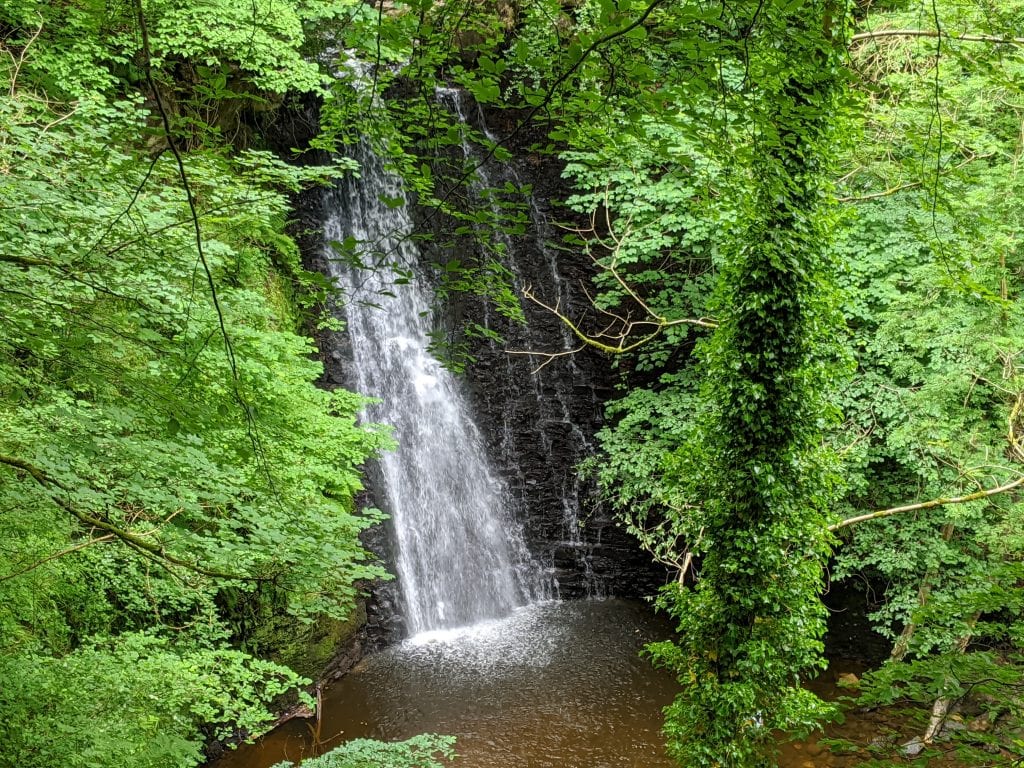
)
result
[(460, 556)]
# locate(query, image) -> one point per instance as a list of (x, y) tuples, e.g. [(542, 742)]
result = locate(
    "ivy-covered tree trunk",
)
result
[(752, 626)]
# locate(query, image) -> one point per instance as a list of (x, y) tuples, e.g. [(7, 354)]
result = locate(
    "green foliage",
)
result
[(751, 627), (133, 702), (170, 476), (127, 373), (423, 751), (223, 48), (260, 41), (649, 427)]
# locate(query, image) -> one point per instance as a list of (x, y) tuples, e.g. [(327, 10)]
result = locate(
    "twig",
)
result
[(549, 356), (20, 59), (621, 347), (54, 556), (131, 204)]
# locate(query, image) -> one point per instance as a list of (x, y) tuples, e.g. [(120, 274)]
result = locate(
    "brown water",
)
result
[(556, 685)]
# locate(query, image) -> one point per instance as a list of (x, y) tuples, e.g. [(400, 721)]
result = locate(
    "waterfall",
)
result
[(460, 555)]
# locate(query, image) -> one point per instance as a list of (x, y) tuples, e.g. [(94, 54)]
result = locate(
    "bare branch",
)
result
[(19, 60), (878, 33), (621, 347), (549, 356), (613, 339), (877, 195), (688, 560)]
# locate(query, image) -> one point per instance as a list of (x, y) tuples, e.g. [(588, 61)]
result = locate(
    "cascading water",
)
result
[(460, 556)]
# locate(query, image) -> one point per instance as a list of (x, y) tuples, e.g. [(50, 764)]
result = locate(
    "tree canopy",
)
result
[(170, 477), (803, 223)]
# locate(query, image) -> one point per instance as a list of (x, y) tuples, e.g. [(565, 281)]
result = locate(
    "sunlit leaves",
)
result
[(160, 455)]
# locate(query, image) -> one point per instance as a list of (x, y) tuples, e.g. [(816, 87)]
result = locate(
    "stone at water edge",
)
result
[(913, 748), (847, 680)]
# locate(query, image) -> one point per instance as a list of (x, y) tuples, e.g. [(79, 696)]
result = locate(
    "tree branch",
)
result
[(19, 60), (1016, 447), (194, 214), (55, 555), (133, 540), (659, 324), (879, 33), (183, 176), (23, 261), (941, 502), (613, 338), (877, 195), (908, 185)]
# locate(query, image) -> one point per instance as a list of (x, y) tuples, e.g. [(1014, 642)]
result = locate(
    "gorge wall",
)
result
[(539, 411)]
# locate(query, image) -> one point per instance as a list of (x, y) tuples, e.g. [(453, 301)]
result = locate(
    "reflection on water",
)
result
[(554, 685)]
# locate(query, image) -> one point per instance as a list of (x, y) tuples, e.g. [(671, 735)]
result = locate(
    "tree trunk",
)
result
[(902, 645), (940, 710)]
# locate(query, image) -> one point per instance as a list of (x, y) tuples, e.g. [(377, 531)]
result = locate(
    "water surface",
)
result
[(556, 684)]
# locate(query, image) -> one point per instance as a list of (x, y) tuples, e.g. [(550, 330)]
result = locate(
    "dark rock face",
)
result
[(539, 412)]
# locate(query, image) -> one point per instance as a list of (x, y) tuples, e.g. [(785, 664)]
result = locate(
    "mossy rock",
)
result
[(307, 648)]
